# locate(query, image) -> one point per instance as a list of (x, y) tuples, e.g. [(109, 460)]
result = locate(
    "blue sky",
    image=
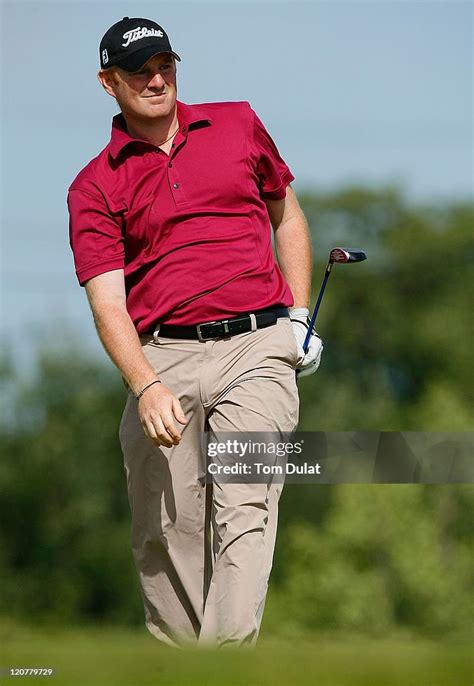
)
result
[(370, 92)]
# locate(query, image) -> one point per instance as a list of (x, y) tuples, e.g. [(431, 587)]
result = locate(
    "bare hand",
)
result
[(157, 409)]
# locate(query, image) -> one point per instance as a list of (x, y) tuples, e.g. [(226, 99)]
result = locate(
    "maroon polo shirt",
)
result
[(190, 229)]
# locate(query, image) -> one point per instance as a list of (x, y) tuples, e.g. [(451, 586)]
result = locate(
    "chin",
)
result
[(158, 111), (164, 107)]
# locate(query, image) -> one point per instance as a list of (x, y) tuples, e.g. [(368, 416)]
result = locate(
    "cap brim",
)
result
[(137, 59)]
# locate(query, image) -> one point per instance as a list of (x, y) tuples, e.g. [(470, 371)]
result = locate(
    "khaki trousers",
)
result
[(204, 553)]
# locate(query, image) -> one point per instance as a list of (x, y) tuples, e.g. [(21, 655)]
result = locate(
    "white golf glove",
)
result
[(309, 362)]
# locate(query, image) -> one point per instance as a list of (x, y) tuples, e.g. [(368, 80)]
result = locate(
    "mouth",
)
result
[(156, 95)]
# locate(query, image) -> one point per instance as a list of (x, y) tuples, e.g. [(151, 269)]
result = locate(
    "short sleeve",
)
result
[(95, 235), (273, 173)]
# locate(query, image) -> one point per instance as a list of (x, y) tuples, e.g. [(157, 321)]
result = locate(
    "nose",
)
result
[(157, 81)]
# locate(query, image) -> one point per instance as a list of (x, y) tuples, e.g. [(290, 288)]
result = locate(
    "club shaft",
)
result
[(316, 307)]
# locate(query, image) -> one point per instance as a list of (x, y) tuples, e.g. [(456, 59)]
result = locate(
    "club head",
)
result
[(344, 255)]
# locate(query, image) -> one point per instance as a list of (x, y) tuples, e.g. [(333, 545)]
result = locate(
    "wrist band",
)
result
[(146, 388), (306, 321)]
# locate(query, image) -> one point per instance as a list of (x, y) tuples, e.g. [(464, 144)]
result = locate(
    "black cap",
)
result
[(130, 43)]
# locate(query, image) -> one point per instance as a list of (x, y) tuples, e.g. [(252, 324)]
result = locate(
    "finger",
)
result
[(146, 430), (178, 411), (161, 435), (315, 348), (170, 427), (149, 430), (314, 363)]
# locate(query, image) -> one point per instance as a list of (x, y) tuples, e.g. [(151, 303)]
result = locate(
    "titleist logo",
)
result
[(138, 33)]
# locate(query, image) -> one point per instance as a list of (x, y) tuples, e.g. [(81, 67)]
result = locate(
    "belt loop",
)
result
[(156, 333), (253, 321)]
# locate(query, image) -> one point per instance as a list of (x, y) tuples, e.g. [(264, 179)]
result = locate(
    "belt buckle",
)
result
[(199, 333), (225, 324)]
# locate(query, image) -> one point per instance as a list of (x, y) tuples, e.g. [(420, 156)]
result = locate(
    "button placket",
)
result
[(174, 180), (176, 186)]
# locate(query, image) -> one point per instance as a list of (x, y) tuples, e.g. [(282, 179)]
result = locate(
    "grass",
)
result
[(113, 657)]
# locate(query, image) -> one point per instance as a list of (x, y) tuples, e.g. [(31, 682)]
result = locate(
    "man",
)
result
[(170, 230)]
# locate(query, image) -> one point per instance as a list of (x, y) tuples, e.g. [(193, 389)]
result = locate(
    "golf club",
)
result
[(340, 256)]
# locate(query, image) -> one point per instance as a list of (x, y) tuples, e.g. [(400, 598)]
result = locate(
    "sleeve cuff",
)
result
[(280, 192), (97, 268)]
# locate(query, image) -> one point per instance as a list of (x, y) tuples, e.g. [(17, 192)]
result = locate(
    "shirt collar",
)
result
[(187, 116)]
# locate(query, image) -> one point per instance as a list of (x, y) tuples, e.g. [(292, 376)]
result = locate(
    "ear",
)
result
[(105, 77)]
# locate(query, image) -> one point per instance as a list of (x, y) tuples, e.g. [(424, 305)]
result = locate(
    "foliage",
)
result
[(381, 556), (397, 327)]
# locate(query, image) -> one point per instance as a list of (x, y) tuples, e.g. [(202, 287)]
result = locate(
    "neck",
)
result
[(155, 131)]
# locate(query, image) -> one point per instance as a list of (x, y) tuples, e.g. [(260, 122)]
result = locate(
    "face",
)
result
[(149, 93)]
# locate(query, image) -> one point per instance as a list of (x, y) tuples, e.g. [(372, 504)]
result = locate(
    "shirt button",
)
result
[(173, 145), (176, 185), (170, 164), (183, 128)]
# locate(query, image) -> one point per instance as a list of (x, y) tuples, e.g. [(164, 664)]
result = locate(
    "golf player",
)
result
[(171, 228)]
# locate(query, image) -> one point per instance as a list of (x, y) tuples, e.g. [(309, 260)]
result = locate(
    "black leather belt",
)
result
[(224, 328)]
